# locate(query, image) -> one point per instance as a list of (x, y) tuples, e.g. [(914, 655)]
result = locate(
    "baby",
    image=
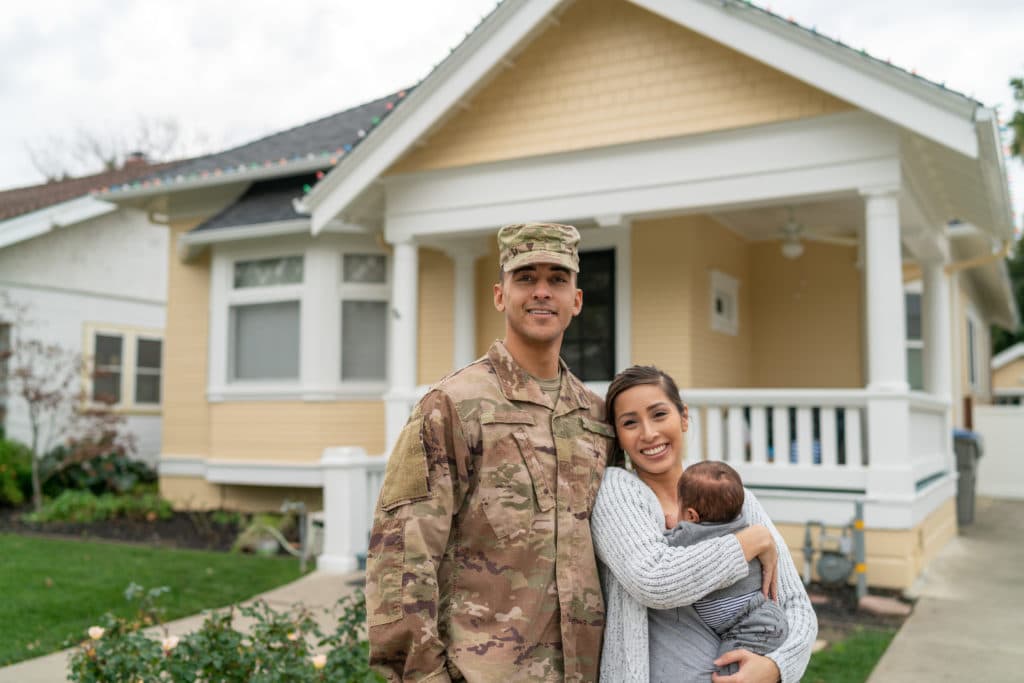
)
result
[(711, 505)]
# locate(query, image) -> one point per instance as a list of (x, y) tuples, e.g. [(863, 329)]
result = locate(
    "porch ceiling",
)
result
[(840, 217)]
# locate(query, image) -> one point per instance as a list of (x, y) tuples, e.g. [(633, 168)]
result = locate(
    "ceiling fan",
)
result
[(794, 232)]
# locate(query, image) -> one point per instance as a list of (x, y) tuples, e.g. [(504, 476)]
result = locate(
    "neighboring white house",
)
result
[(92, 278)]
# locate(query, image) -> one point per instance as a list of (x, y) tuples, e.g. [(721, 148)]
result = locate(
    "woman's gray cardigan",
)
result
[(639, 570)]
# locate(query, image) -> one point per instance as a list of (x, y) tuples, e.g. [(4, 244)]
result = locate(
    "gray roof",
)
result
[(325, 138), (264, 202)]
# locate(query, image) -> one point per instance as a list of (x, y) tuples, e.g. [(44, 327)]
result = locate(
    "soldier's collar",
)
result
[(518, 385)]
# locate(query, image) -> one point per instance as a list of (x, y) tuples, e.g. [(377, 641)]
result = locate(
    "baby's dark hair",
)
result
[(713, 489)]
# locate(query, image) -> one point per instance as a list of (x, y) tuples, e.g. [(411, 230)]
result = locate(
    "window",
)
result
[(588, 346), (364, 317), (264, 318), (915, 341), (5, 351), (127, 366), (725, 314), (972, 366)]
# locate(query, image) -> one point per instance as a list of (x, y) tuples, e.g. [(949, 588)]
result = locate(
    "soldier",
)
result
[(481, 565)]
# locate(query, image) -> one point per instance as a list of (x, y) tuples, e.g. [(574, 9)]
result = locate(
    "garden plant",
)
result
[(278, 646)]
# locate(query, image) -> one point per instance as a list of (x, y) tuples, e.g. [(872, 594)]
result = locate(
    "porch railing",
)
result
[(796, 438), (930, 434)]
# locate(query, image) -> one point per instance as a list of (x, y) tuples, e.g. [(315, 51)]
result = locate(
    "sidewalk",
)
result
[(314, 590), (966, 624)]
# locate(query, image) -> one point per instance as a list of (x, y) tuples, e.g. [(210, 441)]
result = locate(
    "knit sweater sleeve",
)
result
[(627, 526), (795, 653)]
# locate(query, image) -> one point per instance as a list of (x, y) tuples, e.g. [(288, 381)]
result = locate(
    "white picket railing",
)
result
[(799, 438)]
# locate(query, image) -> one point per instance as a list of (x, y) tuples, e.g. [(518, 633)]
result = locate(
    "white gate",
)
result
[(1001, 468)]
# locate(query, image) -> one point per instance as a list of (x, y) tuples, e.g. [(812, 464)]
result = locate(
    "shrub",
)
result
[(278, 647), (15, 472), (78, 467), (84, 506)]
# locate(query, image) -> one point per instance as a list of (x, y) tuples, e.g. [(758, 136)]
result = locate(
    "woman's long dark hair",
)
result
[(634, 376)]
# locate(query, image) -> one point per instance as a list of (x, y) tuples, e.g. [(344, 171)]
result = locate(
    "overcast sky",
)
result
[(233, 71)]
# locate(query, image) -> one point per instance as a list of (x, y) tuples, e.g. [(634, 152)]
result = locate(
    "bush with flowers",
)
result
[(276, 646)]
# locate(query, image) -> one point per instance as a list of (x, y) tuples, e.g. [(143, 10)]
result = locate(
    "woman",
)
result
[(640, 571)]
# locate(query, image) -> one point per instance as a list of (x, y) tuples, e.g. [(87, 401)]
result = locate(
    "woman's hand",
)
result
[(752, 668), (756, 541)]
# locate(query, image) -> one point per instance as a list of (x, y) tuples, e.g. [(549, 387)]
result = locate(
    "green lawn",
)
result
[(55, 589), (850, 660)]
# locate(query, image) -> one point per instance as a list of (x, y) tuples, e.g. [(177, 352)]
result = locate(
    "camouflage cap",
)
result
[(525, 243)]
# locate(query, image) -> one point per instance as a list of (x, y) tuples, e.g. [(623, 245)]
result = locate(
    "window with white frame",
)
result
[(725, 312), (915, 340), (127, 366), (363, 293), (264, 309)]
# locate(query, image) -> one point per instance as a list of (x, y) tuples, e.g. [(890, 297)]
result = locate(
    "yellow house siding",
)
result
[(613, 73), (661, 298), (193, 493), (186, 419), (436, 321), (1010, 376), (718, 359), (490, 324), (292, 431), (806, 317)]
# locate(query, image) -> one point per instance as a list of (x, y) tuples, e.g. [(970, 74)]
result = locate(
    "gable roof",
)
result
[(946, 117), (266, 201), (305, 148), (1007, 356), (24, 200)]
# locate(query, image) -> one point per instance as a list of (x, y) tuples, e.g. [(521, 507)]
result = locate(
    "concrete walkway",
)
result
[(316, 591), (966, 623)]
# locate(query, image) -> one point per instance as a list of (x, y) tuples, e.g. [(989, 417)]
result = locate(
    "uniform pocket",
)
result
[(385, 564), (596, 440), (512, 486)]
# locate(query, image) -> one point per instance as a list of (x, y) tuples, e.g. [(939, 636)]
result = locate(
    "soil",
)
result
[(836, 607), (194, 530)]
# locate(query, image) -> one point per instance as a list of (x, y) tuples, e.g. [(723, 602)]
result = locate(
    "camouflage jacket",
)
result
[(481, 564)]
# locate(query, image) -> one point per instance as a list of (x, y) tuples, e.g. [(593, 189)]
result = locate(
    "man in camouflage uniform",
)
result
[(481, 565)]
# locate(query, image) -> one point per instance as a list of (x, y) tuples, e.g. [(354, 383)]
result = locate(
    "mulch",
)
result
[(191, 530), (836, 608)]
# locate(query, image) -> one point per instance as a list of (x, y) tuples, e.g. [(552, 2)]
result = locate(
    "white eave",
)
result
[(65, 214), (942, 116), (1007, 356), (191, 244)]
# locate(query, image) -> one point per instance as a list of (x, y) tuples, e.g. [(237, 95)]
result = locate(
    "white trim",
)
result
[(190, 244), (128, 368), (80, 292), (319, 295), (510, 24), (729, 288), (63, 215), (973, 324), (942, 116), (1007, 356), (306, 475), (822, 156)]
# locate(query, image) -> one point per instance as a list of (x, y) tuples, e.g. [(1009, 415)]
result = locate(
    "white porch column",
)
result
[(402, 339), (937, 333), (937, 329), (349, 497), (883, 274), (464, 302), (890, 473)]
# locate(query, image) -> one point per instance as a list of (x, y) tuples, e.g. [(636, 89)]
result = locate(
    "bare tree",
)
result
[(92, 150)]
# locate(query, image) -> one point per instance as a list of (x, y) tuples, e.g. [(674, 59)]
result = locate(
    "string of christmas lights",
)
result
[(329, 157)]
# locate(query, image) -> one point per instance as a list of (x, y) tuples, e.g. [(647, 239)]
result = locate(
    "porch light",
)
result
[(792, 247)]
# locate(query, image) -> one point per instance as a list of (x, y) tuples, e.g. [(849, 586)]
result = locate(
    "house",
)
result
[(92, 278), (806, 237), (1008, 375)]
